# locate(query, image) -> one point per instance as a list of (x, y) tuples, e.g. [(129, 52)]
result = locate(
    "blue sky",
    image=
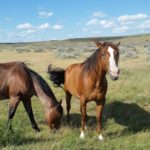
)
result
[(40, 20)]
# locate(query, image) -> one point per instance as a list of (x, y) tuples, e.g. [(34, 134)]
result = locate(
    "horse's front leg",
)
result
[(83, 118), (99, 110), (28, 108)]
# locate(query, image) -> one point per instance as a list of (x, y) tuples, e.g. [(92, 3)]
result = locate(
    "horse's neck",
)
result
[(47, 98), (99, 72)]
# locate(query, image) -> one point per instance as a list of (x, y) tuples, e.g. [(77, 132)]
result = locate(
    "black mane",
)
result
[(46, 89)]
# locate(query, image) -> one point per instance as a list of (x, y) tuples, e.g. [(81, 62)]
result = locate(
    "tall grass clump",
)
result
[(10, 137)]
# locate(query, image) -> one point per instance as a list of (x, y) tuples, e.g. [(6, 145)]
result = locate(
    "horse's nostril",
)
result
[(114, 77)]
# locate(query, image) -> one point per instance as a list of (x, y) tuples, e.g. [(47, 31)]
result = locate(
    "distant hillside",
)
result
[(95, 38), (88, 39)]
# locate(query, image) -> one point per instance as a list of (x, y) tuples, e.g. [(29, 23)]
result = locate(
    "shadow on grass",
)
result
[(130, 115), (75, 120)]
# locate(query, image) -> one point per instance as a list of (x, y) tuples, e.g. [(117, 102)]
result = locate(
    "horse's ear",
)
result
[(118, 44), (98, 44)]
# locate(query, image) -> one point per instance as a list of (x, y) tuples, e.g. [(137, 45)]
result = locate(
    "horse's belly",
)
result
[(72, 87), (73, 92)]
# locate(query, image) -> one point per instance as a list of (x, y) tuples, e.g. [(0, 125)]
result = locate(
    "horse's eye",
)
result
[(103, 54)]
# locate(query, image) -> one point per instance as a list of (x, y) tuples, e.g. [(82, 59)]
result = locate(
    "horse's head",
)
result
[(53, 116), (109, 56)]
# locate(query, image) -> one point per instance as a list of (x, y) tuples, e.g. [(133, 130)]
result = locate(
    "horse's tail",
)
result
[(57, 75)]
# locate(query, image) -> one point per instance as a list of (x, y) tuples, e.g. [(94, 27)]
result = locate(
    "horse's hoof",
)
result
[(82, 136), (100, 137), (68, 121), (37, 129)]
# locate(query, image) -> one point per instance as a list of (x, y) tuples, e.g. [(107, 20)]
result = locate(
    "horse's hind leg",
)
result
[(13, 103), (68, 106), (28, 108)]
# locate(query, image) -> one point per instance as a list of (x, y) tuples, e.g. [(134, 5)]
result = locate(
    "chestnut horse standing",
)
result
[(87, 80), (19, 83)]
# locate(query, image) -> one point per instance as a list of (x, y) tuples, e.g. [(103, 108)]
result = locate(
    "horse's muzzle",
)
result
[(114, 75)]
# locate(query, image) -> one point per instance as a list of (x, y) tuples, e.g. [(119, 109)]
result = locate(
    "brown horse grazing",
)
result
[(87, 80), (19, 83)]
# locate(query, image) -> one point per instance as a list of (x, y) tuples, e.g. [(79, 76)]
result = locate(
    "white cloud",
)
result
[(30, 31), (44, 26), (99, 14), (57, 27), (126, 18), (124, 23), (144, 25), (25, 26), (45, 14), (106, 24), (121, 29), (29, 28), (25, 33), (103, 23), (92, 22)]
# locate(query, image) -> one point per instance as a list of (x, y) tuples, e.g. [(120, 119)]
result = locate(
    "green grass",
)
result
[(126, 117), (126, 120)]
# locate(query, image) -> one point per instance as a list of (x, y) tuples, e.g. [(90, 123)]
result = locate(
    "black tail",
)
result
[(57, 75)]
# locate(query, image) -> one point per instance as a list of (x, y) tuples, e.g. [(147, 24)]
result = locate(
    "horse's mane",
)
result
[(42, 83), (91, 62)]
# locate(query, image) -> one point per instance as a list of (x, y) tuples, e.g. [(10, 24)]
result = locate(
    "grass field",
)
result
[(126, 118)]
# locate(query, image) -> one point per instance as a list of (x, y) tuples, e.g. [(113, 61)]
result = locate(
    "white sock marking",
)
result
[(82, 135), (100, 137)]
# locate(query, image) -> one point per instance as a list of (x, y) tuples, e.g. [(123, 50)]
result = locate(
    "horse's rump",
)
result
[(14, 79)]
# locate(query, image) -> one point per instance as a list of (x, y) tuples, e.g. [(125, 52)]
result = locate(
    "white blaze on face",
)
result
[(113, 66)]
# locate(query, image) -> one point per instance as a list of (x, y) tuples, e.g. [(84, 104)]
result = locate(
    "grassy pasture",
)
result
[(126, 119)]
